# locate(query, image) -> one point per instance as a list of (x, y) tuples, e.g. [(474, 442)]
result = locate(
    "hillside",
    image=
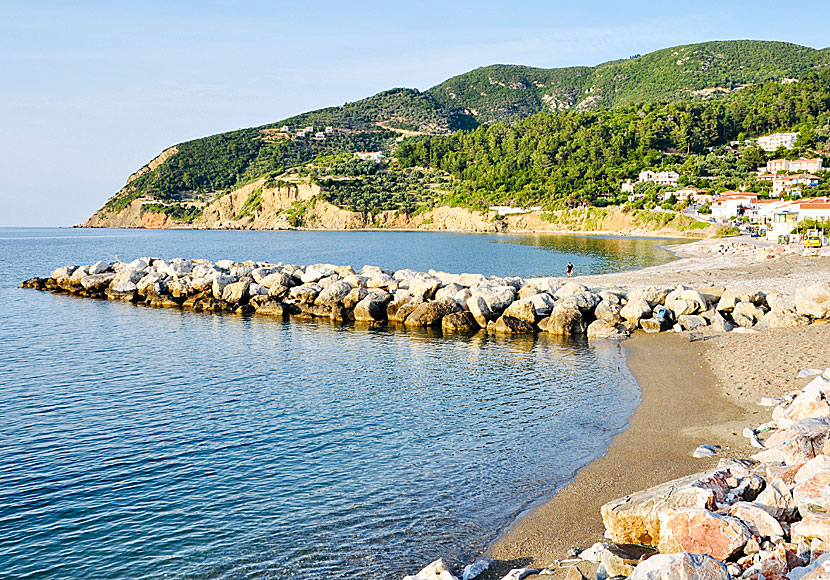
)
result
[(189, 177)]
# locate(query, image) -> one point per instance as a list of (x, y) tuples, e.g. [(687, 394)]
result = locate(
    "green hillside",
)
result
[(205, 168)]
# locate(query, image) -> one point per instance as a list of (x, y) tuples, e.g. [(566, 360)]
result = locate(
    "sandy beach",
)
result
[(693, 392)]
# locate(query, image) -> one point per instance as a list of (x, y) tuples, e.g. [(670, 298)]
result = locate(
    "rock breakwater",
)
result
[(453, 302)]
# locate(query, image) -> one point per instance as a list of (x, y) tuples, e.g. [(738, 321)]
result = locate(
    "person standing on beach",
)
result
[(570, 270)]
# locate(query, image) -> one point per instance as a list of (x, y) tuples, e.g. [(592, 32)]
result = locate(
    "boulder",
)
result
[(585, 301), (653, 296), (757, 520), (655, 325), (691, 321), (602, 329), (806, 439), (430, 313), (510, 325), (479, 309), (813, 301), (680, 567), (219, 283), (404, 311), (700, 531), (317, 272), (96, 283), (448, 291), (354, 296), (719, 323), (528, 291), (234, 293), (399, 299), (497, 298), (459, 322), (635, 311), (425, 288), (181, 288), (732, 296), (779, 302), (305, 294), (100, 267), (372, 308), (777, 499), (608, 311), (621, 559), (435, 571), (634, 519), (276, 279), (818, 569), (333, 294), (122, 289), (812, 491), (272, 307), (569, 289), (565, 320), (781, 319), (812, 526), (746, 314), (522, 309)]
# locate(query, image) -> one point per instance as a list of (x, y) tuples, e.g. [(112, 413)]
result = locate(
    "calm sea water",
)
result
[(143, 443)]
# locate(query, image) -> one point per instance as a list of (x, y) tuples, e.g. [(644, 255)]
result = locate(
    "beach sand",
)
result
[(698, 392)]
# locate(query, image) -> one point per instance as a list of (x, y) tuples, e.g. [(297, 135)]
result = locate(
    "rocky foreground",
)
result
[(454, 302)]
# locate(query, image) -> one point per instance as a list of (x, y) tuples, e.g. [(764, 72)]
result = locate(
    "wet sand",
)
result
[(682, 407)]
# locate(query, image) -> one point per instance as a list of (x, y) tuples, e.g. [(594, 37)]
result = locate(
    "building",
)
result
[(627, 186), (776, 140), (690, 193), (660, 178), (285, 129), (375, 156), (329, 130), (798, 165), (731, 204), (319, 136), (792, 184)]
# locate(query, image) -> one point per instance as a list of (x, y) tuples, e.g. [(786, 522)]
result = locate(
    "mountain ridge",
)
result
[(200, 170)]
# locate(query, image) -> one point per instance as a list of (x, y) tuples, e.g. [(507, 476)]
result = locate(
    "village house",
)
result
[(690, 193), (329, 130), (660, 178), (319, 136), (797, 165), (731, 204), (776, 140), (792, 184), (285, 129), (375, 156), (627, 186)]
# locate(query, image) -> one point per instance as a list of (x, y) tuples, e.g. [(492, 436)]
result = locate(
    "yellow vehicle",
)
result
[(812, 239)]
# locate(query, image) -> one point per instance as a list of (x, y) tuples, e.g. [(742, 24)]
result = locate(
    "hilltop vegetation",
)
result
[(515, 134)]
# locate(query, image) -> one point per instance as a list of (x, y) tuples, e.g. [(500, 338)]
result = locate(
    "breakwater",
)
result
[(454, 302)]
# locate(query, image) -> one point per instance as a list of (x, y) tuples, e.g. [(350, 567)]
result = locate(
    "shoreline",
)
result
[(657, 446)]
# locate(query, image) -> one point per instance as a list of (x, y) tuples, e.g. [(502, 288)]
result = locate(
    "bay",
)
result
[(143, 443)]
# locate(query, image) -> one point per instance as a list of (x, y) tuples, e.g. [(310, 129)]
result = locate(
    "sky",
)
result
[(91, 91)]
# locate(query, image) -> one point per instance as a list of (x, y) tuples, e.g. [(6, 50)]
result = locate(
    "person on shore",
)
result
[(570, 270)]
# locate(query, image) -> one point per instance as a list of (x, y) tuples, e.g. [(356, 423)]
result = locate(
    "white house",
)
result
[(375, 156), (285, 129), (661, 178), (797, 165), (730, 204), (776, 140), (782, 184)]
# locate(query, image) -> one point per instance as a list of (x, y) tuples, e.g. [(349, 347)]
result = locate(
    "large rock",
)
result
[(430, 313), (372, 308), (317, 272), (64, 272), (459, 322), (305, 294), (497, 298), (585, 301), (569, 289), (435, 571), (813, 301), (719, 323), (691, 321), (480, 311), (779, 302), (818, 569), (732, 296), (634, 519), (655, 325), (653, 296), (510, 325), (424, 288), (812, 526), (609, 312), (700, 531), (121, 289), (448, 291), (333, 294), (100, 267), (777, 499), (276, 279), (219, 283), (96, 283), (621, 559), (781, 319), (680, 567), (234, 292), (635, 311), (354, 296), (602, 329), (565, 320), (757, 520), (746, 314), (806, 439), (812, 486), (523, 310)]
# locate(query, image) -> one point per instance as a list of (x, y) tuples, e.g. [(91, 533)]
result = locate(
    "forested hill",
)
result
[(510, 92), (205, 168)]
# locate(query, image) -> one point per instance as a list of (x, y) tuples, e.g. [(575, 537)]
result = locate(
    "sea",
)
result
[(140, 443)]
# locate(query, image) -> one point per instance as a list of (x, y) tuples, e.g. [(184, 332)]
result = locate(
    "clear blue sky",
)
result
[(90, 91)]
